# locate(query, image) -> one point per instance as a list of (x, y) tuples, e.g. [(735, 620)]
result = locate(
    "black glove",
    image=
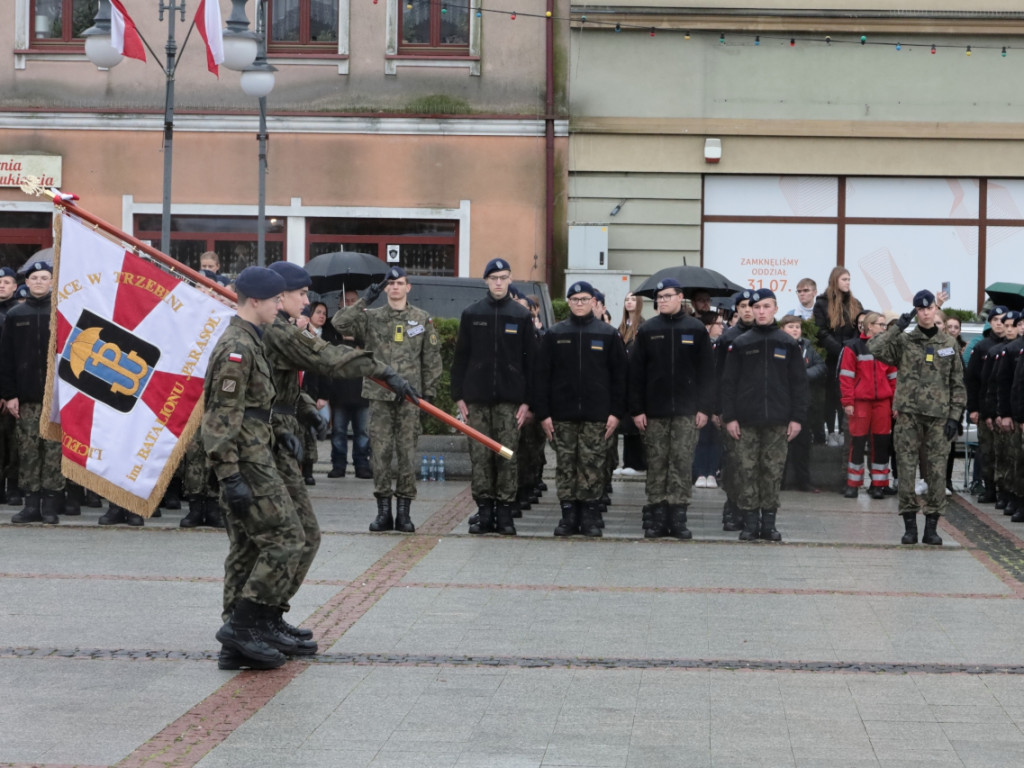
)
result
[(401, 387), (951, 428), (291, 444), (237, 494), (905, 320), (375, 290)]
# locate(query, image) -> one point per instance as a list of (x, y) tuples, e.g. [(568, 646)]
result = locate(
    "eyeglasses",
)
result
[(498, 276), (666, 296), (579, 301)]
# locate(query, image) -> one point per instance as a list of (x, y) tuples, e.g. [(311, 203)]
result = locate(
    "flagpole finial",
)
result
[(32, 185)]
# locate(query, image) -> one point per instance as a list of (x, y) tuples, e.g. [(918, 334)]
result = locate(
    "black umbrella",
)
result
[(45, 255), (344, 270), (691, 278), (1010, 295)]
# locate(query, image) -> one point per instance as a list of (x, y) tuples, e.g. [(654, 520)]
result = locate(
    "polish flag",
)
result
[(124, 37), (209, 25)]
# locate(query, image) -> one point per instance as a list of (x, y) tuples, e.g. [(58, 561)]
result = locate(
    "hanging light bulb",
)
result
[(933, 49), (968, 51), (792, 42), (757, 40), (652, 31), (899, 47), (1004, 52), (863, 39), (513, 15), (828, 40), (721, 38), (686, 35), (618, 27)]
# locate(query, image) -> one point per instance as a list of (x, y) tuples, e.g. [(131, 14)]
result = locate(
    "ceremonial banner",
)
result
[(128, 356)]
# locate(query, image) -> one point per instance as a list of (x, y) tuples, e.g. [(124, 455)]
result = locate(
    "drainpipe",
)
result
[(549, 144)]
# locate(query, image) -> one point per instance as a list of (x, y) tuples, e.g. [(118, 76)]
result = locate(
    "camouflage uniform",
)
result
[(759, 458), (929, 391), (580, 449), (265, 545), (40, 458), (669, 444), (405, 340), (290, 350), (195, 472)]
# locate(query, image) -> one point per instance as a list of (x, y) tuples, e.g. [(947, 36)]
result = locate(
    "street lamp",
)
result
[(100, 51)]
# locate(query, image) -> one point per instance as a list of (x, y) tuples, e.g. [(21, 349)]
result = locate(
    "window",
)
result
[(60, 21), (440, 26), (22, 234), (298, 25), (420, 246)]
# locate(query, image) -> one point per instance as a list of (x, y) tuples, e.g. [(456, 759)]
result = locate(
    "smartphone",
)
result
[(945, 288)]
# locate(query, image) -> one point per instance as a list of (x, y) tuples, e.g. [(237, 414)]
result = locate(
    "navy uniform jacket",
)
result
[(494, 353), (765, 380), (974, 370), (24, 348), (671, 369)]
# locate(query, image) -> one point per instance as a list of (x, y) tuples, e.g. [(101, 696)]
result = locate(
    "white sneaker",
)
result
[(835, 440), (629, 471), (702, 482), (920, 487), (618, 471), (949, 492), (712, 483)]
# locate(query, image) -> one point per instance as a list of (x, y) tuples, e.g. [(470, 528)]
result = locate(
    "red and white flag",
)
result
[(124, 37), (209, 25), (128, 355)]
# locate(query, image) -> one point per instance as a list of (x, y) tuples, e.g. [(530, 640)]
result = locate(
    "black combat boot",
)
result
[(1012, 505), (50, 505), (72, 500), (590, 518), (987, 496), (231, 659), (768, 532), (751, 524), (213, 516), (196, 512), (930, 536), (732, 517), (300, 632), (1018, 516), (15, 497), (503, 519), (307, 473), (243, 634), (172, 497), (277, 636), (484, 517), (114, 515), (133, 519), (91, 499), (569, 525), (677, 522), (656, 524), (542, 486), (383, 521), (1001, 498), (403, 522), (851, 492), (876, 492), (645, 516), (30, 513), (910, 528), (523, 497)]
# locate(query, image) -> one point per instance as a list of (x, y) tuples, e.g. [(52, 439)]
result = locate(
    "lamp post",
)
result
[(238, 43)]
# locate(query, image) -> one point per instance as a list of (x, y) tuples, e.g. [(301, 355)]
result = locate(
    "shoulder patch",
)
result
[(309, 334), (228, 385), (235, 357)]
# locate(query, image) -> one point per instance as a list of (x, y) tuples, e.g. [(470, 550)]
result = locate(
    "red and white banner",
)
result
[(209, 25), (127, 362), (124, 37)]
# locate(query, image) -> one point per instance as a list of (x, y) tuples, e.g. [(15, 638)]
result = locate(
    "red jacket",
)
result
[(861, 377)]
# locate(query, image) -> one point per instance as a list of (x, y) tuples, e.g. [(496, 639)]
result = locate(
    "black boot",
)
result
[(403, 522), (213, 516), (677, 522), (1012, 504), (876, 492), (645, 516), (569, 525), (383, 521), (930, 536), (50, 505), (15, 498), (590, 516), (72, 500), (1018, 516), (910, 528), (172, 498), (732, 517), (850, 492), (243, 634), (114, 515), (133, 519), (300, 632), (196, 512), (503, 519), (30, 513), (656, 524), (768, 532), (277, 636), (751, 524), (231, 659), (523, 497), (307, 473), (484, 517), (1001, 499), (91, 499), (988, 496)]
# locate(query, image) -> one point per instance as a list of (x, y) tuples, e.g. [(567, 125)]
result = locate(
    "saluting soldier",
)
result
[(579, 399), (929, 401), (403, 338), (764, 402)]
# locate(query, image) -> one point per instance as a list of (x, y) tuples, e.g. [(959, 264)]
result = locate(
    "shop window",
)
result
[(23, 234), (302, 25), (60, 21)]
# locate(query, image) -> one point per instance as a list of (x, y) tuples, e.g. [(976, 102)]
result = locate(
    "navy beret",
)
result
[(996, 311), (741, 296), (395, 273), (580, 286), (259, 283), (668, 282), (496, 265), (22, 292), (38, 266), (761, 294), (295, 277), (8, 272), (514, 292), (924, 299), (599, 296), (1012, 317)]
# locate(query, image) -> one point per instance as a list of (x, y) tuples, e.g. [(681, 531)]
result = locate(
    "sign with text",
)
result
[(14, 169)]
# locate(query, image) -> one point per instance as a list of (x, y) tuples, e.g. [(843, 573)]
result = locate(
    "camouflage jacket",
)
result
[(405, 339), (291, 350), (239, 394), (931, 372)]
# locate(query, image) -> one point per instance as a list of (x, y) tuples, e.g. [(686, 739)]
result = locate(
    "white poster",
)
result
[(912, 198), (785, 196), (1006, 199), (1003, 256)]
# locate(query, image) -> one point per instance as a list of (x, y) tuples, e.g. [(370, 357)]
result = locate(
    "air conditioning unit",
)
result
[(588, 246)]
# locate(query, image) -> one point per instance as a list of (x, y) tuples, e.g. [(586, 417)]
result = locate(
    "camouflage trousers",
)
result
[(39, 458), (759, 457), (611, 458), (1007, 450), (580, 450), (727, 466), (295, 484), (670, 444), (987, 453), (920, 439), (8, 447), (394, 429), (493, 476), (265, 547), (531, 454), (195, 472)]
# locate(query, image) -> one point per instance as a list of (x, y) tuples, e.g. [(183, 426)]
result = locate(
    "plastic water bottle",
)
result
[(424, 469), (440, 469), (433, 468)]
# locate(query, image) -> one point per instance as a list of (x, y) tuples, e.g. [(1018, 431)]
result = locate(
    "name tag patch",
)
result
[(416, 330), (945, 352)]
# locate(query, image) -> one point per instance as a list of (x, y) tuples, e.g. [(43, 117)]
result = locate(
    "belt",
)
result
[(258, 413), (284, 410)]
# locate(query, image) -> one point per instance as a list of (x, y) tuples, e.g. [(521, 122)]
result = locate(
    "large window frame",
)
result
[(399, 54), (306, 45), (38, 15)]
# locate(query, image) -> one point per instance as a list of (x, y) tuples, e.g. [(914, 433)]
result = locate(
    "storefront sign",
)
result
[(14, 169)]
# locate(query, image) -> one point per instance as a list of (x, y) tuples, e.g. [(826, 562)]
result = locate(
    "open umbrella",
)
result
[(1010, 295), (344, 270), (44, 255), (691, 278)]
